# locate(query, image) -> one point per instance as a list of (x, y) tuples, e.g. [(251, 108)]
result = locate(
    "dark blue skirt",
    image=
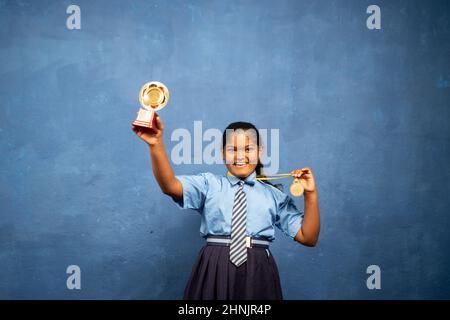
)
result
[(214, 277)]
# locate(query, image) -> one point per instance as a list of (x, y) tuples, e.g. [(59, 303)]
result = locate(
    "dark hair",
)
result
[(246, 126)]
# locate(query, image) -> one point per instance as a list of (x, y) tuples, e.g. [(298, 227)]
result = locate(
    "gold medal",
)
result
[(296, 188)]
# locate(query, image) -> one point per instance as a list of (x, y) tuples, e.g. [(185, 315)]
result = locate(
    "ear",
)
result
[(260, 151), (224, 156)]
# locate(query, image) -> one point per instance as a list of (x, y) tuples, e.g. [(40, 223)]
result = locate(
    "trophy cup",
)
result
[(153, 96)]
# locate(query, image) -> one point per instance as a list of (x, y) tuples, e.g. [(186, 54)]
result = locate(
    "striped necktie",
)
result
[(238, 249)]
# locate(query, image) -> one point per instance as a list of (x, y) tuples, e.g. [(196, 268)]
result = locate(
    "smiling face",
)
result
[(241, 152)]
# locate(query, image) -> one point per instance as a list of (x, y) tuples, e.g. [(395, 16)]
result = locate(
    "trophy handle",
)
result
[(145, 118)]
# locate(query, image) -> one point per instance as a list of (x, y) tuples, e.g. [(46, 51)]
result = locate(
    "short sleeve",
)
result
[(289, 217), (195, 188)]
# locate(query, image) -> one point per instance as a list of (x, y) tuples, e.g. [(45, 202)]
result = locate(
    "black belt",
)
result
[(226, 241)]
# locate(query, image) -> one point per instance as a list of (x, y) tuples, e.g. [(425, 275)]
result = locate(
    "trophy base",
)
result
[(145, 119)]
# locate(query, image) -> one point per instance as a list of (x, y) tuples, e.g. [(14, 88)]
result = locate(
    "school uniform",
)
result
[(214, 275)]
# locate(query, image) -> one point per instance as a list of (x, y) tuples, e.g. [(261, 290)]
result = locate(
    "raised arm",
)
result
[(308, 234), (162, 170)]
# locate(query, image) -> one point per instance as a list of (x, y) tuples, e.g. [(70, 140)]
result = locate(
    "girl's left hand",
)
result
[(306, 178)]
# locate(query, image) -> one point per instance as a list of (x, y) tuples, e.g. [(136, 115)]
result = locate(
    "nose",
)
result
[(240, 156)]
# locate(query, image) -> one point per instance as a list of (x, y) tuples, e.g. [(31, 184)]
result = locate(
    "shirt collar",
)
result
[(249, 180)]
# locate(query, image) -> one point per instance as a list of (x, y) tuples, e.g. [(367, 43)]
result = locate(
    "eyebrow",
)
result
[(233, 146)]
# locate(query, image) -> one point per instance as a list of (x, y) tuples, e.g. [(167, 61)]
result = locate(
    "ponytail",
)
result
[(259, 174)]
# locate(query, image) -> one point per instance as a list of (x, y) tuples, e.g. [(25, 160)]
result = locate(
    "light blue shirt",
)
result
[(213, 197)]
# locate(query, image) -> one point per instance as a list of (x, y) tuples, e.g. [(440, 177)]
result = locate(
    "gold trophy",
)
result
[(153, 96)]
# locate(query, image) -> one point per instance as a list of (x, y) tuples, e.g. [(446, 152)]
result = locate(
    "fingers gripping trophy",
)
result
[(153, 96)]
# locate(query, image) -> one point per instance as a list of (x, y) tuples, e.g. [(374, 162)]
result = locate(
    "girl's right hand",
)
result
[(150, 136)]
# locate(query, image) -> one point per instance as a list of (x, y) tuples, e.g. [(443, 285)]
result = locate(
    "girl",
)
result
[(238, 215)]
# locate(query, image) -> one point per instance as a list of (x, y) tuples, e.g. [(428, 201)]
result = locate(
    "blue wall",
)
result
[(368, 110)]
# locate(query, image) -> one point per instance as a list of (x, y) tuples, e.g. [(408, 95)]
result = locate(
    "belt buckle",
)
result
[(248, 242)]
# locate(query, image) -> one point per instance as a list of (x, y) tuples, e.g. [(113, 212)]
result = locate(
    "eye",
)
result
[(250, 148), (229, 149)]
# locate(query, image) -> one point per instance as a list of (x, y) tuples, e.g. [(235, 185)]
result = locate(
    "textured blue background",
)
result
[(368, 110)]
